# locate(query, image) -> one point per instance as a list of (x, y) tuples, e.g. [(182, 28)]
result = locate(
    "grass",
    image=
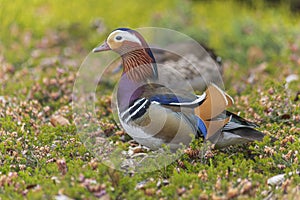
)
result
[(42, 44)]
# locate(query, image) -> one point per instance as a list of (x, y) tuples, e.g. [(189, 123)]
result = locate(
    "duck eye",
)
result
[(119, 37)]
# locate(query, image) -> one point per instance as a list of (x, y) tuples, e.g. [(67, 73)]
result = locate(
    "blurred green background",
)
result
[(229, 27)]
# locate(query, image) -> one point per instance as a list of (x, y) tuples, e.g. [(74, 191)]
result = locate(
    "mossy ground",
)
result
[(42, 45)]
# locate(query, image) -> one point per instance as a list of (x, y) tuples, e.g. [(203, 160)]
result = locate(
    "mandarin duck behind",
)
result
[(154, 115), (197, 65)]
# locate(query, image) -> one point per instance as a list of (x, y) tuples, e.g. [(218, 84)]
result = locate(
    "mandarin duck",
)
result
[(155, 115), (197, 64)]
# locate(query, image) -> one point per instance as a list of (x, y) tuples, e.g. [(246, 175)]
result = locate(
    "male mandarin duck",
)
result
[(155, 115)]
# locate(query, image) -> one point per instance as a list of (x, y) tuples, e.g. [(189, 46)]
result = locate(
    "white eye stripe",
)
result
[(125, 36)]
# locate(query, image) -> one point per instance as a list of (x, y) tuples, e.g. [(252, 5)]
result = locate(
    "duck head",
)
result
[(137, 59)]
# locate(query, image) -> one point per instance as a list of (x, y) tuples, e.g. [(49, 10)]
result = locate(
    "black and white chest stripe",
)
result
[(140, 106), (136, 110)]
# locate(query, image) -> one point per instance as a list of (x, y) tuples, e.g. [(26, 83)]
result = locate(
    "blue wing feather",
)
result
[(169, 98), (201, 126)]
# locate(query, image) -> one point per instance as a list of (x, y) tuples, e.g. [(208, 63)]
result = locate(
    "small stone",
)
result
[(59, 120), (232, 193), (276, 180)]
